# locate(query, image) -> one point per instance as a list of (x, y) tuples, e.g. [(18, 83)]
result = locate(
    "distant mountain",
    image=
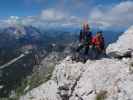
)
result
[(47, 46), (27, 33)]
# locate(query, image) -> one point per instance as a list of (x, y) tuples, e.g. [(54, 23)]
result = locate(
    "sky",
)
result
[(104, 14)]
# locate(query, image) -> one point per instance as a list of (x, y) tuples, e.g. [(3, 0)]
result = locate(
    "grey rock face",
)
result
[(108, 77)]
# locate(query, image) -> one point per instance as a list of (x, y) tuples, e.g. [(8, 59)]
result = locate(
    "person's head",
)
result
[(99, 33), (86, 27)]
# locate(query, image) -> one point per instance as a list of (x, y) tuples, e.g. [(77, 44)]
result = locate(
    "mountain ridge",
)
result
[(107, 78)]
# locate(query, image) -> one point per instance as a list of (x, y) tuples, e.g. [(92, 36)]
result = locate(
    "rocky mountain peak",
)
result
[(107, 78), (124, 42)]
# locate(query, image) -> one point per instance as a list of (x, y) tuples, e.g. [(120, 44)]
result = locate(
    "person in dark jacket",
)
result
[(85, 39)]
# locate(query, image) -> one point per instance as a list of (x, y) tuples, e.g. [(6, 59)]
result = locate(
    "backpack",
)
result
[(98, 41)]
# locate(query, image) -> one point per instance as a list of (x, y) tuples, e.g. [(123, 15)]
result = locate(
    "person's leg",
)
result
[(77, 53), (86, 50), (99, 53), (95, 52), (85, 55)]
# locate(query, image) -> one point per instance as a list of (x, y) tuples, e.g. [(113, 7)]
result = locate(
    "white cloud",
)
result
[(55, 17), (47, 18), (12, 20), (118, 16), (52, 15)]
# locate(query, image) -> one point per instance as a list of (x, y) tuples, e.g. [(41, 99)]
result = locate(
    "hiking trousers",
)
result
[(86, 47)]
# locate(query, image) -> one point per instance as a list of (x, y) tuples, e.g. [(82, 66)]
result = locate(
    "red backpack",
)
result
[(98, 41)]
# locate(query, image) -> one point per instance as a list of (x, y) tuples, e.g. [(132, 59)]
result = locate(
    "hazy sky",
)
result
[(99, 13)]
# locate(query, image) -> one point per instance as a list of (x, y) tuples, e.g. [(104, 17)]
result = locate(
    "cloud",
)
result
[(52, 15), (117, 16), (47, 18), (58, 18)]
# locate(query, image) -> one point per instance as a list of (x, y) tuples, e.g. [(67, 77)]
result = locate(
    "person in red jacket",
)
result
[(98, 42)]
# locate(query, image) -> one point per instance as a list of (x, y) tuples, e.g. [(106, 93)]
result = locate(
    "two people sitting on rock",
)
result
[(95, 44)]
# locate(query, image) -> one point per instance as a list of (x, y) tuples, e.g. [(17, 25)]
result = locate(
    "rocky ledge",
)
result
[(104, 79)]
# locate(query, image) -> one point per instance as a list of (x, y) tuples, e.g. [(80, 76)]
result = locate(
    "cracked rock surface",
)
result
[(77, 81)]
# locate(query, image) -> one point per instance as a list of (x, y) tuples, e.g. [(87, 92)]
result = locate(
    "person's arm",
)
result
[(90, 34), (80, 36), (93, 40), (103, 42)]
